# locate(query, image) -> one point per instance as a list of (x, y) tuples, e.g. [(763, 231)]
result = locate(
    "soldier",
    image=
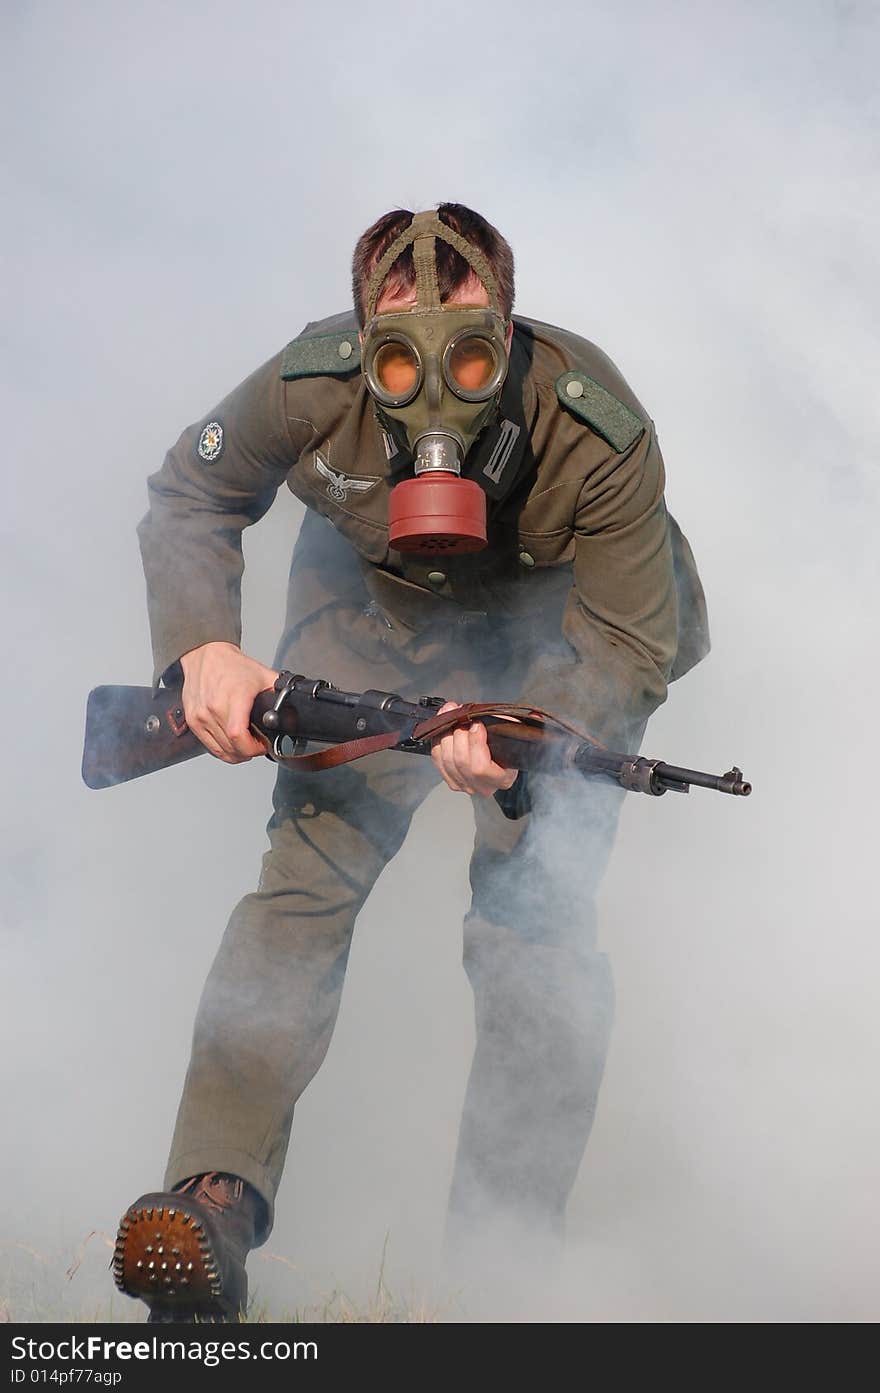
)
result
[(485, 516)]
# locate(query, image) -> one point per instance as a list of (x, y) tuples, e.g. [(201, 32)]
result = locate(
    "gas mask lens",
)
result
[(396, 372), (472, 367)]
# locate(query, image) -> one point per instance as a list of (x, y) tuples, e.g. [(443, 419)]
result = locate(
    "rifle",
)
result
[(132, 731)]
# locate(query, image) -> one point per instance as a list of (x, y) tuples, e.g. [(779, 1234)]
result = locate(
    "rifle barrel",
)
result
[(731, 782)]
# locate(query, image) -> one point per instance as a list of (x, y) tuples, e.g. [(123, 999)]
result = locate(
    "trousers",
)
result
[(543, 991)]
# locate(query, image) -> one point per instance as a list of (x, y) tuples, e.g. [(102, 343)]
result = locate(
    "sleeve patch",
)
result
[(211, 442), (333, 354), (583, 397)]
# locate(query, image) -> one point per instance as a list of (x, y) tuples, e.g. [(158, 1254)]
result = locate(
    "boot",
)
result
[(183, 1252)]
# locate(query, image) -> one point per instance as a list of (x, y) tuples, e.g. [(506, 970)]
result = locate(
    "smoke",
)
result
[(696, 192)]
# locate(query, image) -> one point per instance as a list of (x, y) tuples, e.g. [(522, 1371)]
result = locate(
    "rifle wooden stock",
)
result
[(131, 732)]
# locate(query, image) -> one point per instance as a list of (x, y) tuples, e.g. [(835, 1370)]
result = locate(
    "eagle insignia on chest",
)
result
[(340, 484)]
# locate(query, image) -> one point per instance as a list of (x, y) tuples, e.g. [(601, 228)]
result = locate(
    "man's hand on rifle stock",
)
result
[(220, 684), (463, 759)]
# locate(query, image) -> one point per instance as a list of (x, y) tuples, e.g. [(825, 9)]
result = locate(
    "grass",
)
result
[(38, 1287)]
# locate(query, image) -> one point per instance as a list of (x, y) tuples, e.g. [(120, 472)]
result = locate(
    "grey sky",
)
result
[(695, 188)]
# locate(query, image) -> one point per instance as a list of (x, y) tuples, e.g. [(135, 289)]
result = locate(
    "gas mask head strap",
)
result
[(422, 232)]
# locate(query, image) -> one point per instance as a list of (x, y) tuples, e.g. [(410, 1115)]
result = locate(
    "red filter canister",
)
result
[(437, 512)]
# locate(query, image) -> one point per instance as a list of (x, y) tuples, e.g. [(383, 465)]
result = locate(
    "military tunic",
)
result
[(585, 601)]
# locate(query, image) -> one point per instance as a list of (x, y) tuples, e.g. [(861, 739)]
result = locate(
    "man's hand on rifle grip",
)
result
[(463, 760), (219, 688)]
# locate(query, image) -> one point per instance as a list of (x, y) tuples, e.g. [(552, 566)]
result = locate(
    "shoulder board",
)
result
[(584, 397), (330, 354)]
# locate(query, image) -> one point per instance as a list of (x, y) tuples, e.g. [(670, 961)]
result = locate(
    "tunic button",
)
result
[(575, 388), (436, 578), (345, 349), (526, 558)]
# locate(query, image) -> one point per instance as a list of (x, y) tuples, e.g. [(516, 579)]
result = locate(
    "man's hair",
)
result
[(453, 272)]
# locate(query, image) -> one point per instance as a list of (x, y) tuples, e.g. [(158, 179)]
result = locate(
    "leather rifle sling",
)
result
[(429, 729)]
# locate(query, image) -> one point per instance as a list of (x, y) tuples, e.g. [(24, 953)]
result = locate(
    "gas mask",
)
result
[(435, 375)]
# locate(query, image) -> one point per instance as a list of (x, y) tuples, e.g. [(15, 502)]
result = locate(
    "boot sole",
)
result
[(164, 1256)]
